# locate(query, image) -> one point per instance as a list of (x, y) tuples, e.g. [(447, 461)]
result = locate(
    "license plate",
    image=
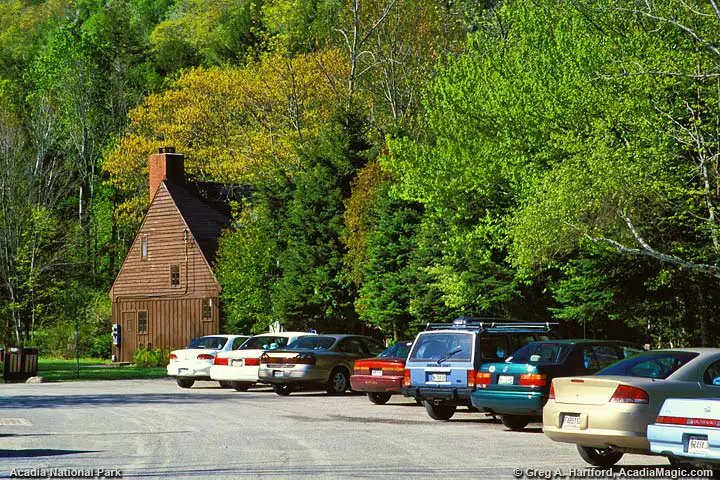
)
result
[(505, 379), (182, 371), (571, 421), (277, 373), (438, 377), (376, 372), (236, 363), (697, 445)]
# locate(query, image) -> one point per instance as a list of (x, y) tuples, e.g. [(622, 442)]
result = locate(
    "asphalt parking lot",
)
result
[(153, 429)]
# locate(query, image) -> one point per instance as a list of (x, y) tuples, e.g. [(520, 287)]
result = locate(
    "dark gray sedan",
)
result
[(323, 361)]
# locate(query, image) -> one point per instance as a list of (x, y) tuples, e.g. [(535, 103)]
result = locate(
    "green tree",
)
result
[(312, 290)]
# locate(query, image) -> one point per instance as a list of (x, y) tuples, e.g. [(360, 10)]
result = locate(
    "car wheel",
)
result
[(599, 457), (282, 389), (379, 398), (185, 382), (439, 412), (514, 422), (225, 384), (339, 381), (241, 386), (472, 409)]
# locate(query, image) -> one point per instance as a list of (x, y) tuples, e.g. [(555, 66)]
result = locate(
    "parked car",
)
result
[(240, 367), (381, 377), (518, 388), (607, 414), (688, 429), (443, 362), (194, 361), (320, 360)]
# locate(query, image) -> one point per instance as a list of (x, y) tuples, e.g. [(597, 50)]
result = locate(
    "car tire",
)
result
[(680, 462), (514, 422), (225, 384), (599, 457), (185, 382), (282, 389), (439, 412), (379, 398), (241, 386), (472, 409), (339, 381)]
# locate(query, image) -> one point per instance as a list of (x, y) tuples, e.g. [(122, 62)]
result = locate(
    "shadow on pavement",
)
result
[(39, 452), (53, 401)]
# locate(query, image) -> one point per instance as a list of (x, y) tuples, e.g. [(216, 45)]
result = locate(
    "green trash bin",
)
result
[(19, 363)]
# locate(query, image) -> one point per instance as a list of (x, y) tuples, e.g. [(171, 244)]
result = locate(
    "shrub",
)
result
[(156, 357)]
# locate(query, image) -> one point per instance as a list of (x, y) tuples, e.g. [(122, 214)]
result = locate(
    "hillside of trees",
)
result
[(412, 160)]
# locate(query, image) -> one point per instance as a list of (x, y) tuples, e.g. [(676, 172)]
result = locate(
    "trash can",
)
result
[(19, 364)]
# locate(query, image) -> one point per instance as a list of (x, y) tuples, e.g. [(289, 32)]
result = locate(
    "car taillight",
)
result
[(483, 379), (629, 394), (361, 368), (205, 356), (173, 357), (251, 362), (471, 378), (220, 361), (406, 378), (696, 422), (303, 359), (533, 380), (551, 396)]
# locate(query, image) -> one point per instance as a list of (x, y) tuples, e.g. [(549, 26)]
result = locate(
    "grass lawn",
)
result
[(58, 370)]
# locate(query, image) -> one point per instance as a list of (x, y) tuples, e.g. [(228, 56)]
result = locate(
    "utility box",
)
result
[(19, 364)]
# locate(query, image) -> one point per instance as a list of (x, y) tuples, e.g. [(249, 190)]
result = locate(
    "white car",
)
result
[(240, 367), (686, 430), (193, 362)]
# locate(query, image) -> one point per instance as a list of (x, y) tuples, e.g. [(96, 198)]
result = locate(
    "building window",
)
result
[(174, 275), (207, 309), (142, 322), (143, 248)]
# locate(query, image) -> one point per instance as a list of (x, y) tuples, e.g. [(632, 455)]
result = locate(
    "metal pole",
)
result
[(77, 348)]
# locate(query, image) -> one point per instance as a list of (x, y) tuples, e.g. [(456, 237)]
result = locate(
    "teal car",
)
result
[(518, 388)]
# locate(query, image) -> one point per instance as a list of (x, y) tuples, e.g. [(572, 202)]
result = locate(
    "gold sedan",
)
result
[(607, 414)]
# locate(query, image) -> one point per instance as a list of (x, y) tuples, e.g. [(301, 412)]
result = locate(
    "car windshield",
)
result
[(214, 343), (313, 342), (435, 346), (650, 365), (541, 352), (264, 343), (399, 350)]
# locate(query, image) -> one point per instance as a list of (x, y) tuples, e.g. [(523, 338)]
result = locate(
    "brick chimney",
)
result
[(165, 165)]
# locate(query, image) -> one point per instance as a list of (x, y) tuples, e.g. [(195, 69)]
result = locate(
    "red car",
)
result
[(383, 375)]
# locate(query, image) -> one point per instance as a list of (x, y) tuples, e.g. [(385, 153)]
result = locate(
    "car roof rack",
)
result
[(489, 323)]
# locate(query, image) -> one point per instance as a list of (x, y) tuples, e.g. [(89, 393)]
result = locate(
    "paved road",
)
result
[(153, 429)]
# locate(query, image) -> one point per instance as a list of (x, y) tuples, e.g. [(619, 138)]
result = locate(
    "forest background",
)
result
[(411, 160)]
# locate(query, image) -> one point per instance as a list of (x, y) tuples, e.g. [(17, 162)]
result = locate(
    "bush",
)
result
[(156, 357)]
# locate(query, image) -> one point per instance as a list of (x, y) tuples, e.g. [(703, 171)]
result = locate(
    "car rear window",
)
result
[(313, 342), (650, 365), (208, 342), (541, 353), (434, 346), (399, 350), (264, 343)]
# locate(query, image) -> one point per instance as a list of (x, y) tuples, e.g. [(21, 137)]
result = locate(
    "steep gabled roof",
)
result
[(205, 220)]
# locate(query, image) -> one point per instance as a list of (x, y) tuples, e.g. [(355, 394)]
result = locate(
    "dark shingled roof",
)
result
[(206, 219)]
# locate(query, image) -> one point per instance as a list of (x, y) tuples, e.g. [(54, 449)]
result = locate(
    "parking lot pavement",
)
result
[(153, 429)]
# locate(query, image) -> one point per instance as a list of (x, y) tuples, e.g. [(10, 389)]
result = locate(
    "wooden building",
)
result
[(166, 293)]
